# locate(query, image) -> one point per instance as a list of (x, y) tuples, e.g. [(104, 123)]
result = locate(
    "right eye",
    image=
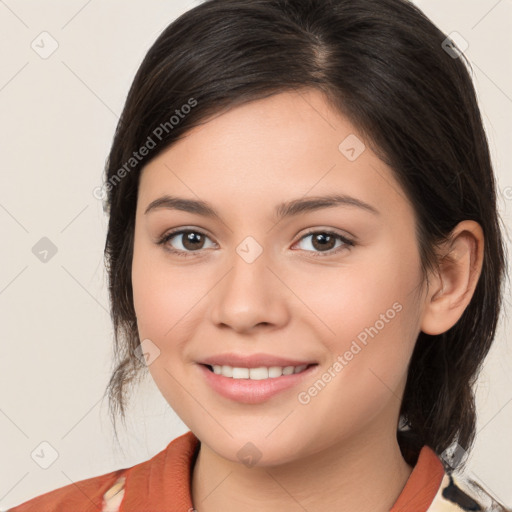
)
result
[(189, 241)]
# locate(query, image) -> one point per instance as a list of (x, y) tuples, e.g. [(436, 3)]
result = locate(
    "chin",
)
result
[(254, 449)]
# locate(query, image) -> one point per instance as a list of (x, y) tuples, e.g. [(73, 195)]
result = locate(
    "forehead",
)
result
[(288, 145)]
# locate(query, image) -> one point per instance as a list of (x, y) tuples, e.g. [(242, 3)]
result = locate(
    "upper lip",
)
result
[(252, 361)]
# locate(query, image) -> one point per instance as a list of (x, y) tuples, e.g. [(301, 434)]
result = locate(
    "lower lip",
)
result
[(250, 391)]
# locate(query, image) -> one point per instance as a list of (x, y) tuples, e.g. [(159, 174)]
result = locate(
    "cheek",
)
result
[(372, 296), (368, 368), (163, 294), (164, 299), (371, 349), (373, 314), (157, 305)]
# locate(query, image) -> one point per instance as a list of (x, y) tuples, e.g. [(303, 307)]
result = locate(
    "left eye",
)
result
[(323, 241)]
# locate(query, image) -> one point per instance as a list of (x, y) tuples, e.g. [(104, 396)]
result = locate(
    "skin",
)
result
[(321, 455)]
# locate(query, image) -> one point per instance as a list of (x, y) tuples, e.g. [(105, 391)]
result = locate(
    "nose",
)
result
[(250, 294)]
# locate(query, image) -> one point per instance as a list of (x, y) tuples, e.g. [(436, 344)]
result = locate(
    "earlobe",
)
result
[(460, 266)]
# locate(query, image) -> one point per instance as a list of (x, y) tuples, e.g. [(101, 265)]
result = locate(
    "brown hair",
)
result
[(385, 66)]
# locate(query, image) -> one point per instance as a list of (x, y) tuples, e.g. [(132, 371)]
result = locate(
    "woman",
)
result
[(304, 250)]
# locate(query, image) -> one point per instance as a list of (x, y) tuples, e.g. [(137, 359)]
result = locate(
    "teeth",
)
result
[(240, 373), (260, 373)]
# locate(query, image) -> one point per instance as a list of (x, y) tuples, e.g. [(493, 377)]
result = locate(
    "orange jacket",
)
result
[(162, 484)]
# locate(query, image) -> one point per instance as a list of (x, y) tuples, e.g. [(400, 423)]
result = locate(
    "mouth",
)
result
[(255, 384)]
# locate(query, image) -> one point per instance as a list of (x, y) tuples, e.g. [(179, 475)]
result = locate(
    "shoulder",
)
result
[(83, 496), (166, 471)]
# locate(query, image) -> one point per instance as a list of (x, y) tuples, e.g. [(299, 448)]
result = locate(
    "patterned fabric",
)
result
[(459, 492), (114, 496), (162, 484)]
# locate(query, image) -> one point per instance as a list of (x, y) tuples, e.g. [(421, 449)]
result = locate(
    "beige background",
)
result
[(57, 121)]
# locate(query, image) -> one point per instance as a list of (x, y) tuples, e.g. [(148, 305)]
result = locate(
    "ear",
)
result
[(451, 289)]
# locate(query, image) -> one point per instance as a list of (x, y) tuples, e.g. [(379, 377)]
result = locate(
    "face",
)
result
[(332, 289)]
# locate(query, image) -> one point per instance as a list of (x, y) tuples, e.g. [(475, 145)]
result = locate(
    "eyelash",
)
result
[(187, 254)]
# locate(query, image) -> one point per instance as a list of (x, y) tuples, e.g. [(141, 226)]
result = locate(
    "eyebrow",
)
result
[(282, 210)]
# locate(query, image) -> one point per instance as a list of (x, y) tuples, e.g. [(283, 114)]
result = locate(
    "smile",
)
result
[(254, 385)]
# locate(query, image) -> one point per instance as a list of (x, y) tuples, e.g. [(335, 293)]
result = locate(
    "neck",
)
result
[(363, 476)]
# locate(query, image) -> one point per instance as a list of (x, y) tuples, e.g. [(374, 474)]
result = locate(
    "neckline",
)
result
[(171, 485), (423, 483)]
